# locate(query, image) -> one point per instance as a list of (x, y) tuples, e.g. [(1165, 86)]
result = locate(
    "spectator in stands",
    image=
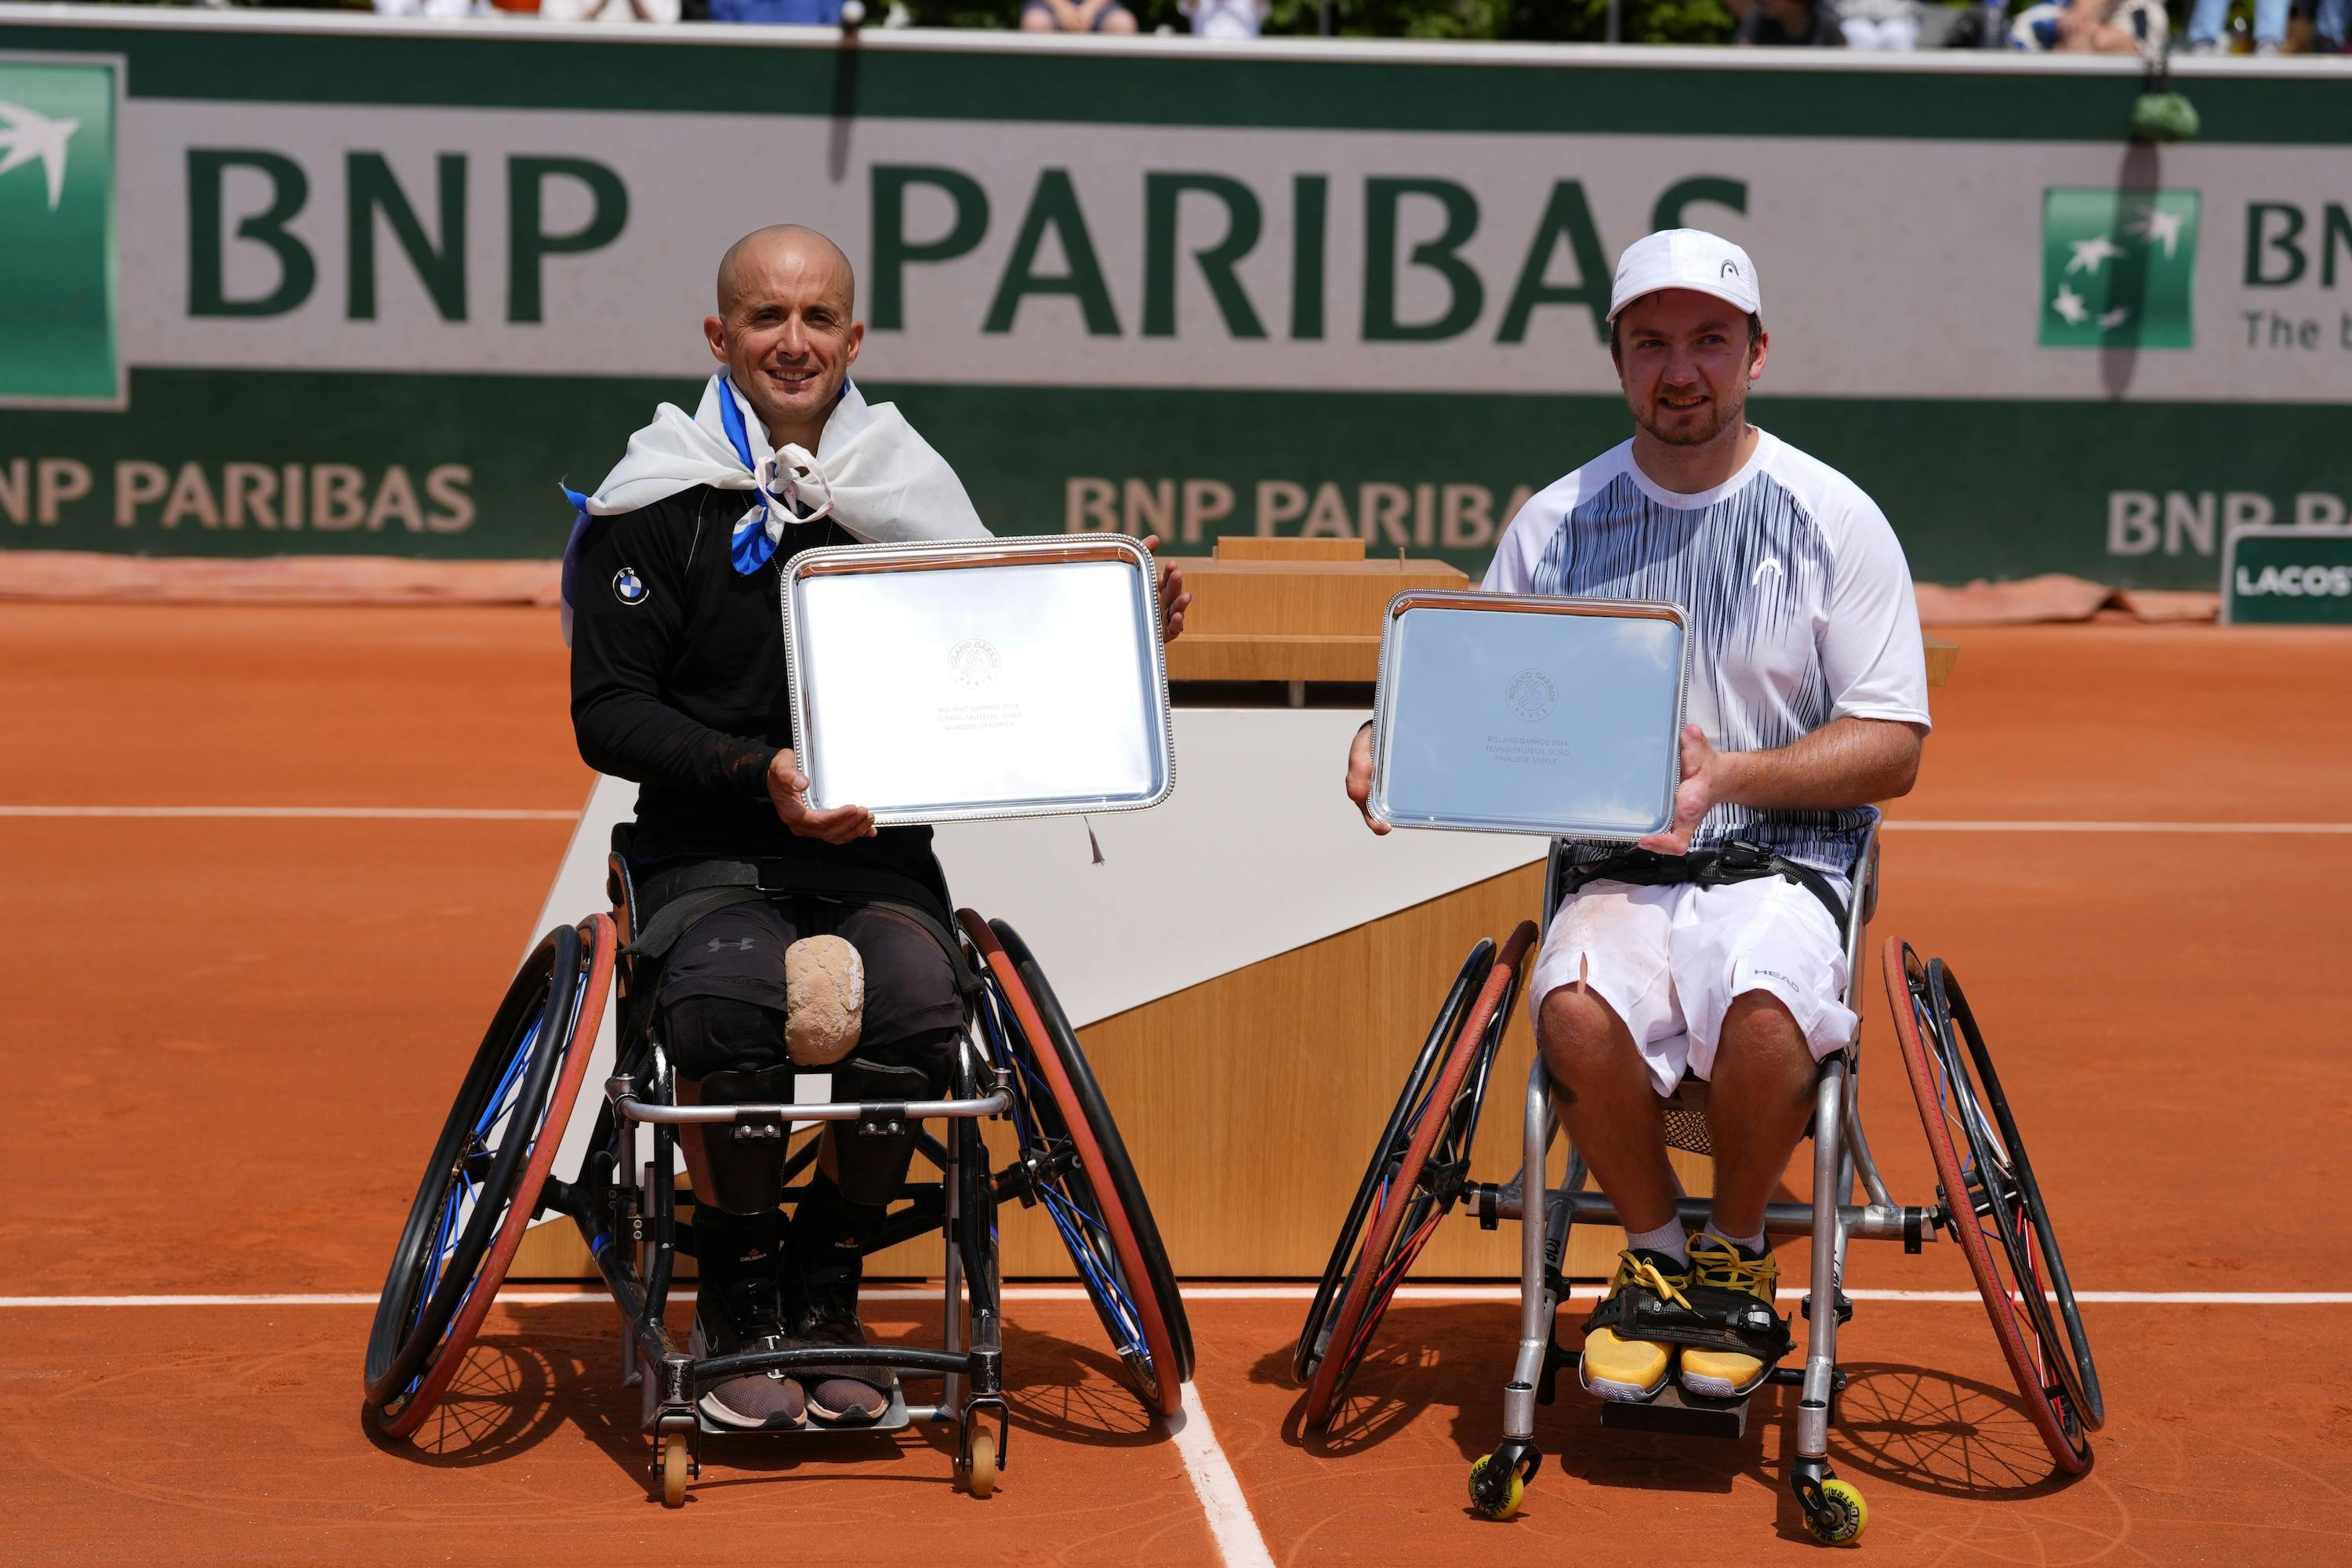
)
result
[(1225, 18), (1813, 23), (2332, 22), (2208, 19), (2100, 26), (1879, 24), (424, 7), (608, 10), (805, 13), (1076, 16)]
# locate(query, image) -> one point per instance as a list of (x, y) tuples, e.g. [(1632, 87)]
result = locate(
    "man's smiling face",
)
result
[(784, 328), (1684, 360)]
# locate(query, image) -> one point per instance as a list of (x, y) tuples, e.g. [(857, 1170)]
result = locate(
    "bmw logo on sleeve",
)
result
[(628, 587)]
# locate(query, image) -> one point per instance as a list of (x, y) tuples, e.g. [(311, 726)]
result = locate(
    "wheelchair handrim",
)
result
[(1363, 1300), (2026, 1229), (1390, 1149), (401, 1397), (2062, 1432), (1110, 1279), (1118, 1165)]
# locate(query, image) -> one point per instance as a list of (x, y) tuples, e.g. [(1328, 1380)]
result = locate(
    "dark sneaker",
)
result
[(849, 1394), (759, 1402)]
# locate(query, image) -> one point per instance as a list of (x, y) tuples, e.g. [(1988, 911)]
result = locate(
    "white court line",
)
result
[(1219, 1489), (339, 813), (1225, 1293), (516, 814)]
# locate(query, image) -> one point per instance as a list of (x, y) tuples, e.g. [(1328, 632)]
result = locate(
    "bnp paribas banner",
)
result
[(326, 286)]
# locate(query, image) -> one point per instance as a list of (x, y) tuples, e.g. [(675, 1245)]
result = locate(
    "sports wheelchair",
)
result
[(1986, 1200), (489, 1176)]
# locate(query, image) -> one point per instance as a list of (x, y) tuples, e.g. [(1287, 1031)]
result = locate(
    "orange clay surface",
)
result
[(230, 1040)]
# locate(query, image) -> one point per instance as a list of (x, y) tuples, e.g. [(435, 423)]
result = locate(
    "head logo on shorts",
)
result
[(2119, 268), (628, 587), (58, 343)]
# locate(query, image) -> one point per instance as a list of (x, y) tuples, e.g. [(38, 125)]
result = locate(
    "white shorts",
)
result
[(1670, 960)]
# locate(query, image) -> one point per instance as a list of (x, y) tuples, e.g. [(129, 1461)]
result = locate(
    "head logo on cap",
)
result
[(1687, 258)]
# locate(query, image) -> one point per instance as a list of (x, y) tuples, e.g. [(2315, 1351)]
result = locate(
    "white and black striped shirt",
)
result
[(1800, 604)]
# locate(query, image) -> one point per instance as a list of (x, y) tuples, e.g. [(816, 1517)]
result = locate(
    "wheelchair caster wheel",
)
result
[(1837, 1519), (1495, 1489), (980, 1470), (677, 1462)]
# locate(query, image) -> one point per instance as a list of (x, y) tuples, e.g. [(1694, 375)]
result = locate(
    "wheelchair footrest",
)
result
[(1688, 1414), (892, 1420)]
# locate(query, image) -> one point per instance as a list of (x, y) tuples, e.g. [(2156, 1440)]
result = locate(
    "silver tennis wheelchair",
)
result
[(489, 1176), (1987, 1201)]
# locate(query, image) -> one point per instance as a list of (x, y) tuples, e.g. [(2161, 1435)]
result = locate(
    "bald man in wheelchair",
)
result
[(1714, 949)]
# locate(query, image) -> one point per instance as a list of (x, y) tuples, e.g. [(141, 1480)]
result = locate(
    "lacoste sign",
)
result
[(2287, 576), (57, 342)]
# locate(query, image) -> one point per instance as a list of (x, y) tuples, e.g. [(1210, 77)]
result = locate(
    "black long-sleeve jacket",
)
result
[(678, 682)]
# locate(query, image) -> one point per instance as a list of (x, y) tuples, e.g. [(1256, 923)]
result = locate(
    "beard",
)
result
[(1698, 427)]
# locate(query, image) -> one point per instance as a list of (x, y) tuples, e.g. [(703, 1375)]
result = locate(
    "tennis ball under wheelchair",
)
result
[(825, 1000)]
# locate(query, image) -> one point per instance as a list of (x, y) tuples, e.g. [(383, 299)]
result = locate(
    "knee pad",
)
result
[(710, 1034), (825, 1000), (744, 1164)]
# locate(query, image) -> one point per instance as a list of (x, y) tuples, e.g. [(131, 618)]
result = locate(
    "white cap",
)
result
[(1687, 258)]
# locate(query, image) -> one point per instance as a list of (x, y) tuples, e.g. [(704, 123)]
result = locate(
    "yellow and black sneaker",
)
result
[(1615, 1364), (1734, 1287)]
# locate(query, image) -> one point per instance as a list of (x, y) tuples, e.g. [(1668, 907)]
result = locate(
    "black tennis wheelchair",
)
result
[(489, 1176), (1987, 1201)]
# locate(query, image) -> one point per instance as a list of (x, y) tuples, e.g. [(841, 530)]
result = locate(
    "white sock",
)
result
[(1752, 1243), (1669, 1238)]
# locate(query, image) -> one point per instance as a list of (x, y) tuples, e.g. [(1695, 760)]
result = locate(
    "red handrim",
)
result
[(1368, 1292), (596, 933), (2025, 1360), (1168, 1394)]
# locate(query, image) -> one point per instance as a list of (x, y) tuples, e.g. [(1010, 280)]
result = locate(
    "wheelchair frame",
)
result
[(631, 1229), (1019, 1060), (1841, 1153)]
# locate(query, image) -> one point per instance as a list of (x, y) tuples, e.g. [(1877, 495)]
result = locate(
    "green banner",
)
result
[(330, 284), (2280, 576), (57, 209)]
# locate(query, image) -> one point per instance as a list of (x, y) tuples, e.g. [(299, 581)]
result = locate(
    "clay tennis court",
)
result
[(269, 867)]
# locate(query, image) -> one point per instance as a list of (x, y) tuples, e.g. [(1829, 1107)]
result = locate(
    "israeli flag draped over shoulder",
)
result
[(871, 473)]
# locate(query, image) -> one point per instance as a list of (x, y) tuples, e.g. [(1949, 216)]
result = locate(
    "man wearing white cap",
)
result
[(1714, 949)]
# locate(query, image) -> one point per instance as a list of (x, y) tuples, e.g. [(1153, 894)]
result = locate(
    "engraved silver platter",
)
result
[(954, 680), (1529, 713)]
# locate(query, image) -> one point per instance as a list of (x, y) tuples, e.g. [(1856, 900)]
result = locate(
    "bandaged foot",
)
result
[(825, 1000)]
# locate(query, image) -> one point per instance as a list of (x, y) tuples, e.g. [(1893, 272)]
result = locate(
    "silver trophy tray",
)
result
[(1527, 713), (954, 680)]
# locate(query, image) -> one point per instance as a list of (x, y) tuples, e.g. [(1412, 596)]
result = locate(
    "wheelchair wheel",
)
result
[(1417, 1175), (1394, 1138), (1994, 1207), (1078, 1169), (481, 1186)]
